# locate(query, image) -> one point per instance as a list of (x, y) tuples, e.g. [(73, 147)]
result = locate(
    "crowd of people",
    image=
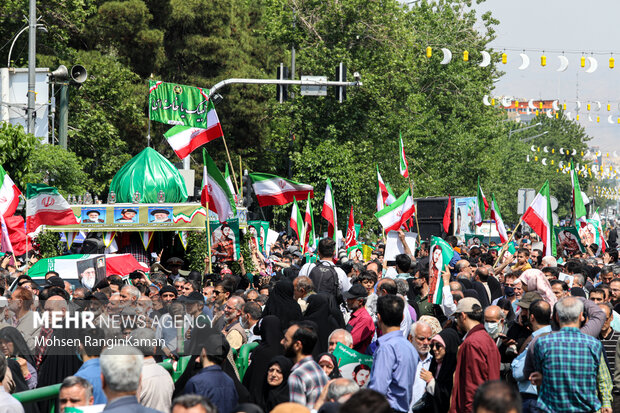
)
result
[(522, 332)]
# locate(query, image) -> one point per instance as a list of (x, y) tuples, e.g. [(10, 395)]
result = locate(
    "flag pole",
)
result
[(208, 239), (232, 168), (240, 179), (505, 247), (416, 208), (490, 229)]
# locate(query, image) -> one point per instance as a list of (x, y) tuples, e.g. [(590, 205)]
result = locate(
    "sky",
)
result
[(572, 26)]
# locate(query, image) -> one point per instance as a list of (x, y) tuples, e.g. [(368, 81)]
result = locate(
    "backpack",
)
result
[(325, 279)]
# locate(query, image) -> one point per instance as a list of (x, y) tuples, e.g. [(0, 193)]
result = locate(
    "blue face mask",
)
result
[(509, 291), (530, 260)]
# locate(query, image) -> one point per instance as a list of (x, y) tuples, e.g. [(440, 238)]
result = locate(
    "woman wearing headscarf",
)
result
[(441, 371), (269, 347), (329, 364), (282, 304), (13, 345), (275, 383), (324, 312)]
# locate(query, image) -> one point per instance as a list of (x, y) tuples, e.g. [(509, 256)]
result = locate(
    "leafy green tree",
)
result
[(16, 147), (58, 167)]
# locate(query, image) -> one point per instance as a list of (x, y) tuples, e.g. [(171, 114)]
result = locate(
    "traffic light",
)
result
[(247, 190), (341, 76), (281, 90)]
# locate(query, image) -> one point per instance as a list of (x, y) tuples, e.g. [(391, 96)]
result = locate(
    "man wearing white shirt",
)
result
[(420, 336)]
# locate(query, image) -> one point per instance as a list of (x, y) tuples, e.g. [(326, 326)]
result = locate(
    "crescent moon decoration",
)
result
[(485, 100), (530, 104), (568, 115), (561, 164), (578, 105), (610, 120), (533, 148), (574, 152), (555, 105), (544, 161), (587, 152), (486, 59), (593, 65), (562, 151), (525, 61), (598, 105), (447, 56), (528, 111), (590, 118), (563, 63), (598, 154), (506, 101), (615, 154), (549, 115), (546, 150), (527, 158)]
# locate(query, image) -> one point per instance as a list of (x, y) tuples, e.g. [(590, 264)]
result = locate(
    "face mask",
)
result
[(509, 291), (492, 329), (529, 260)]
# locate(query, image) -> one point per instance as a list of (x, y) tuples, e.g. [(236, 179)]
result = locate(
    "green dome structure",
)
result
[(148, 173)]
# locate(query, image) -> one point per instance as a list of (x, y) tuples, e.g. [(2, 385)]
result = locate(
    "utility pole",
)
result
[(32, 63)]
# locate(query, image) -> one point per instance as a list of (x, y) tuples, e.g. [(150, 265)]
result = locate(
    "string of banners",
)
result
[(483, 58), (581, 169)]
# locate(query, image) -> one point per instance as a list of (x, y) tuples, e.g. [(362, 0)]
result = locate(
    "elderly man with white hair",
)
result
[(420, 336), (121, 368), (339, 335)]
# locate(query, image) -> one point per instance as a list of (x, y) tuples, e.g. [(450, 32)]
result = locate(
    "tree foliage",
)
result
[(16, 146)]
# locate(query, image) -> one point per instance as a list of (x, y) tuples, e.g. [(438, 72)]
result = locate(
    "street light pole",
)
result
[(32, 64)]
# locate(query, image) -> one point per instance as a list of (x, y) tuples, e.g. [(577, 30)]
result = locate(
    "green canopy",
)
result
[(148, 173)]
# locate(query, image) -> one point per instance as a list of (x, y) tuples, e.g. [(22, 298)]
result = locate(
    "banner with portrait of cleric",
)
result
[(353, 365), (91, 270), (569, 240), (225, 241)]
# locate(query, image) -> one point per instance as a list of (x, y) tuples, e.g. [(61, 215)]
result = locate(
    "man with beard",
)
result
[(223, 290), (234, 332), (252, 313), (307, 378), (21, 301), (88, 277), (420, 337), (478, 359)]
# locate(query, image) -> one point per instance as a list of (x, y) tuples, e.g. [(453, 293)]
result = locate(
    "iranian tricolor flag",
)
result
[(5, 239), (385, 197), (185, 139), (497, 217), (481, 206), (230, 183), (45, 206), (310, 238), (579, 208), (329, 211), (538, 216), (440, 255), (274, 190), (403, 165), (215, 191), (9, 194), (296, 222), (397, 214), (350, 239)]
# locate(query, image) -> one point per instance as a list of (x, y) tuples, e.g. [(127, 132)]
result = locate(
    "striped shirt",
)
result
[(609, 343), (571, 379), (306, 381)]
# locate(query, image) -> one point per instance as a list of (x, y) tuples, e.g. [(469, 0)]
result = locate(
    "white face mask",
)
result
[(492, 329)]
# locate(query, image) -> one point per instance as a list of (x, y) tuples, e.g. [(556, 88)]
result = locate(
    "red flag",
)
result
[(350, 240), (447, 215), (17, 234)]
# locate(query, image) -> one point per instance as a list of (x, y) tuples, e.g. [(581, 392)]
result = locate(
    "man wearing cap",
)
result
[(161, 215), (174, 265), (168, 294), (93, 217), (478, 359), (361, 325), (127, 215)]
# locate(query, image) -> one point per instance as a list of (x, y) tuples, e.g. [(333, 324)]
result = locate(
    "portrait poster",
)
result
[(353, 365), (440, 255), (225, 246), (93, 215), (569, 239), (91, 270), (258, 231)]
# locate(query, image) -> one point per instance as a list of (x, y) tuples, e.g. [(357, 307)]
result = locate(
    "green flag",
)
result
[(579, 208), (174, 104)]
